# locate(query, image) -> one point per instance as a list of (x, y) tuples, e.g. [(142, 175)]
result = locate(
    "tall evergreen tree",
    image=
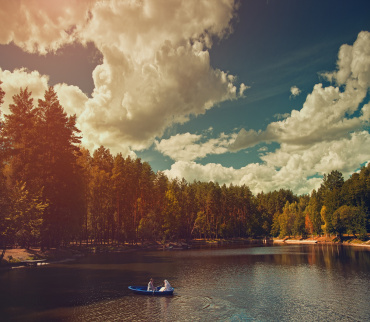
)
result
[(85, 173), (58, 139), (119, 189), (101, 207), (330, 192), (2, 142), (4, 195), (313, 211), (22, 140)]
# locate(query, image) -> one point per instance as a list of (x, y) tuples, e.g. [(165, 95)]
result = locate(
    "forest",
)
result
[(54, 192)]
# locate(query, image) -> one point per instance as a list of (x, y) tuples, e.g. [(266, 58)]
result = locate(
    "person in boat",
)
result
[(166, 287), (151, 285)]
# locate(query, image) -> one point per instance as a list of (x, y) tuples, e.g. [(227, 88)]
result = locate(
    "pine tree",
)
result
[(2, 142), (4, 195), (21, 139), (101, 208), (58, 171)]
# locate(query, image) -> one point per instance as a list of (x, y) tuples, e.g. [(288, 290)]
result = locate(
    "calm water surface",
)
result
[(269, 283)]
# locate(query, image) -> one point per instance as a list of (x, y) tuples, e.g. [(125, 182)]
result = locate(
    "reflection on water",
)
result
[(270, 283)]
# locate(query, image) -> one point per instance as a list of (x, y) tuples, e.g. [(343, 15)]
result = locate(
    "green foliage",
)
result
[(12, 260), (201, 225), (275, 229), (24, 217), (149, 228), (349, 219), (313, 210), (326, 219)]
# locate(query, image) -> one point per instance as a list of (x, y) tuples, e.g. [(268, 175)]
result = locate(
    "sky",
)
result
[(272, 94)]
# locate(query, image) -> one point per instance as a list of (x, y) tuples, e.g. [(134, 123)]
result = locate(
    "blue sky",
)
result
[(206, 90)]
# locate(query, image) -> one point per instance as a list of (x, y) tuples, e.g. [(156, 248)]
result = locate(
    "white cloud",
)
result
[(187, 147), (41, 26), (353, 63), (13, 81), (140, 100), (285, 168), (191, 171), (327, 114), (242, 89), (294, 91), (323, 136), (71, 98), (156, 68), (138, 27)]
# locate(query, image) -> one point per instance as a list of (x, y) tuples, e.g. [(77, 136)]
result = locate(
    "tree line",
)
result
[(337, 207), (54, 191)]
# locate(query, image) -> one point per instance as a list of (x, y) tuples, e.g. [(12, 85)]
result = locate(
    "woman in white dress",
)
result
[(166, 287)]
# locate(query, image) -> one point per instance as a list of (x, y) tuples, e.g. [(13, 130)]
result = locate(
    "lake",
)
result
[(265, 283)]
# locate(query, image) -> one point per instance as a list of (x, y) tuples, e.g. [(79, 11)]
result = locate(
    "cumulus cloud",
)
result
[(324, 135), (12, 81), (156, 68), (41, 26), (327, 113), (285, 168), (191, 171), (353, 63), (187, 147), (258, 177), (142, 100), (71, 98)]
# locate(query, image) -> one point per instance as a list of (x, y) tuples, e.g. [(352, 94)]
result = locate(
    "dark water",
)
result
[(270, 283)]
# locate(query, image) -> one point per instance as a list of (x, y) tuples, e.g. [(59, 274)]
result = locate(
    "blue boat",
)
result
[(143, 291)]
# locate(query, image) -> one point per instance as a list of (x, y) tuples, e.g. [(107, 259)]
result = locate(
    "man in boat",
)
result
[(151, 285)]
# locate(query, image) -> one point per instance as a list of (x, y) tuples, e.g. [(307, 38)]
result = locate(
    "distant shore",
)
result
[(15, 257), (20, 256), (322, 240)]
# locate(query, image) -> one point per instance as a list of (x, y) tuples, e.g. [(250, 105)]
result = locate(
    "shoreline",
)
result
[(322, 240), (21, 257)]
